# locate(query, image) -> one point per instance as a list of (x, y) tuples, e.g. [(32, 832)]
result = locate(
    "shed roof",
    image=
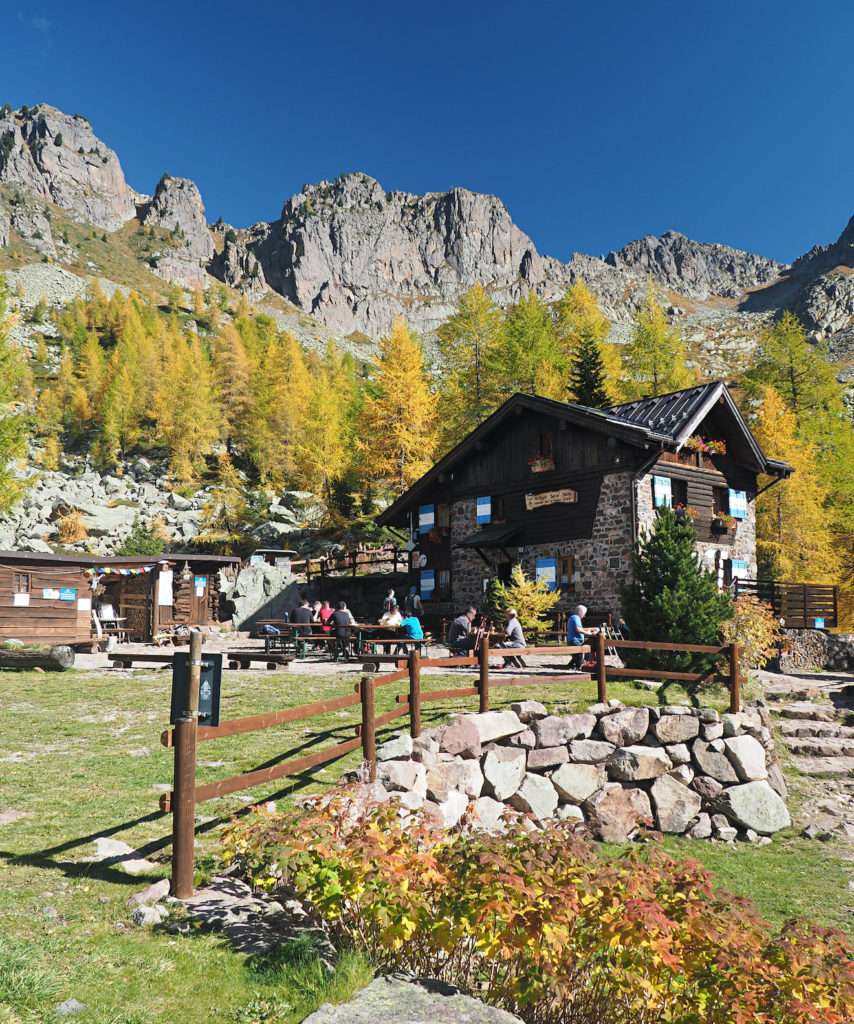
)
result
[(89, 561)]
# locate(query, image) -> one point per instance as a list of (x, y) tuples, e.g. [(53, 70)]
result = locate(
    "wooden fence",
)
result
[(800, 605), (187, 733), (351, 563)]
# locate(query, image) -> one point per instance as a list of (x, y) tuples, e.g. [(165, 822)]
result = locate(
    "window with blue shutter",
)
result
[(484, 511), (547, 570), (426, 518), (662, 493), (738, 504), (738, 567), (428, 584)]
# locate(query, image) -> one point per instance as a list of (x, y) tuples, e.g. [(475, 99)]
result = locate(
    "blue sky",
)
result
[(595, 123)]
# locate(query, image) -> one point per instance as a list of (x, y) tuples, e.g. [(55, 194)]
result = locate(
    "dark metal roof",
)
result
[(493, 537), (674, 414)]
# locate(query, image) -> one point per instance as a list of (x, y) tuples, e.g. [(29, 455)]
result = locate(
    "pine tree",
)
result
[(671, 597), (14, 422), (587, 377), (469, 344), (793, 526), (654, 358), (400, 417)]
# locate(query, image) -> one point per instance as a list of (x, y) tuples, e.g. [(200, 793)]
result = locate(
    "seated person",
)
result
[(342, 618), (513, 637), (411, 625), (391, 616), (325, 614), (576, 634), (303, 616), (460, 637)]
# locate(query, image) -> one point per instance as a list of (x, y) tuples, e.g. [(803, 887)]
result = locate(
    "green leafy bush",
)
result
[(539, 922)]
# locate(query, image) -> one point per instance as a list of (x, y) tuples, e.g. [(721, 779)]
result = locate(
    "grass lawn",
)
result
[(79, 755)]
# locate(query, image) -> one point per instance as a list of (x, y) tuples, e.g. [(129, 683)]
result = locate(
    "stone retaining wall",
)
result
[(679, 769), (811, 650)]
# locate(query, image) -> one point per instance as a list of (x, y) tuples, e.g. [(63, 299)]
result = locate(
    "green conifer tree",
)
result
[(587, 377)]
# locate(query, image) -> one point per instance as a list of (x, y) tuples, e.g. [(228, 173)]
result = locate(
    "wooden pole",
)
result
[(601, 678), (483, 687), (734, 687), (184, 786), (369, 738), (414, 693)]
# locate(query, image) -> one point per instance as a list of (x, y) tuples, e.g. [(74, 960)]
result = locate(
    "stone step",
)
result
[(803, 728), (808, 712), (821, 747), (824, 765)]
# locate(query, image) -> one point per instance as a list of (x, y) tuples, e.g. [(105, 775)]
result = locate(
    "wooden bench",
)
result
[(126, 659), (372, 662), (244, 659)]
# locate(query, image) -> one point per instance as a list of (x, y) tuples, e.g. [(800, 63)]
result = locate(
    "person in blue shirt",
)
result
[(576, 634), (411, 625)]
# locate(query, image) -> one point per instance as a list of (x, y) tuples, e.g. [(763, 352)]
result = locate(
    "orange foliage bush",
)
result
[(541, 923)]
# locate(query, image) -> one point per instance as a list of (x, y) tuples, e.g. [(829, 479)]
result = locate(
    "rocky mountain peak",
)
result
[(60, 158), (176, 207)]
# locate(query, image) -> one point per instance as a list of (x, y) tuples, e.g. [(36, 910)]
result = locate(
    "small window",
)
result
[(444, 581), (566, 572), (498, 515), (546, 446), (443, 517), (679, 492), (21, 584), (720, 500)]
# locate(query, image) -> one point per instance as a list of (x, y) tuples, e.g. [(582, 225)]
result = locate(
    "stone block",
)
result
[(401, 776), (575, 783), (634, 764), (451, 808), (614, 812), (675, 805), (556, 730), (754, 805), (471, 782), (395, 749), (709, 762), (495, 725), (525, 739), (714, 731), (536, 795), (443, 778), (676, 729), (625, 727), (683, 773), (543, 758), (702, 827), (529, 710), (460, 736), (590, 751), (678, 753), (488, 813), (503, 771), (747, 756)]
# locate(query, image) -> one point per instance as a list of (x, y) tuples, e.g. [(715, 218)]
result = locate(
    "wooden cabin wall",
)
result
[(45, 620)]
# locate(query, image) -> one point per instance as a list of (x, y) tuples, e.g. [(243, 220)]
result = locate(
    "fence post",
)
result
[(369, 737), (601, 679), (483, 656), (414, 693), (184, 785), (734, 686)]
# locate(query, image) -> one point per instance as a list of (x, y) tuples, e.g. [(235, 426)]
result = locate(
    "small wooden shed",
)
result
[(46, 598)]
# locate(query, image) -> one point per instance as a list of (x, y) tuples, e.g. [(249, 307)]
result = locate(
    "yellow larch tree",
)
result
[(400, 427)]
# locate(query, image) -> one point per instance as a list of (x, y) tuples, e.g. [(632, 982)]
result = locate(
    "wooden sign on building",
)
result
[(567, 496)]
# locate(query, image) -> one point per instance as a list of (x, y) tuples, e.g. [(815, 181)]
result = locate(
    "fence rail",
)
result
[(800, 605), (186, 794)]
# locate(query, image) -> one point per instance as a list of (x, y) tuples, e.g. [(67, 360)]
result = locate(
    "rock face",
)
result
[(237, 267), (60, 159), (177, 207), (399, 999)]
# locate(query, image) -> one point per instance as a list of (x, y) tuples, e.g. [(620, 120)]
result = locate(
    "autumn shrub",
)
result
[(758, 633), (541, 923), (72, 528)]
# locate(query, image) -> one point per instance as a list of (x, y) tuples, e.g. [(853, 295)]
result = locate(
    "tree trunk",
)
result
[(53, 659)]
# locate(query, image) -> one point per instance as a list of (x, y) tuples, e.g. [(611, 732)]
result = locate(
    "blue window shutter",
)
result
[(662, 494), (547, 570), (484, 511), (426, 518), (428, 584), (738, 504)]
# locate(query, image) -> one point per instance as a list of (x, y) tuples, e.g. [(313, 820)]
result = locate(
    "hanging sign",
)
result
[(49, 594), (819, 623), (565, 497), (20, 600)]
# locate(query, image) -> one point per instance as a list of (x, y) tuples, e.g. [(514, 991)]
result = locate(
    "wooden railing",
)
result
[(186, 794), (351, 562), (798, 604)]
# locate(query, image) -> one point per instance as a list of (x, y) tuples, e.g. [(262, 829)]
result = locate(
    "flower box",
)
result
[(540, 465)]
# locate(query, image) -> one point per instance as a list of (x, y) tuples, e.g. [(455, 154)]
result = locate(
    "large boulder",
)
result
[(529, 710), (460, 736), (754, 805), (675, 805), (748, 757), (676, 728), (712, 763), (402, 776), (400, 999), (625, 727), (399, 746), (634, 764), (503, 771), (614, 812), (495, 725), (590, 751), (556, 730), (536, 795), (575, 783)]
